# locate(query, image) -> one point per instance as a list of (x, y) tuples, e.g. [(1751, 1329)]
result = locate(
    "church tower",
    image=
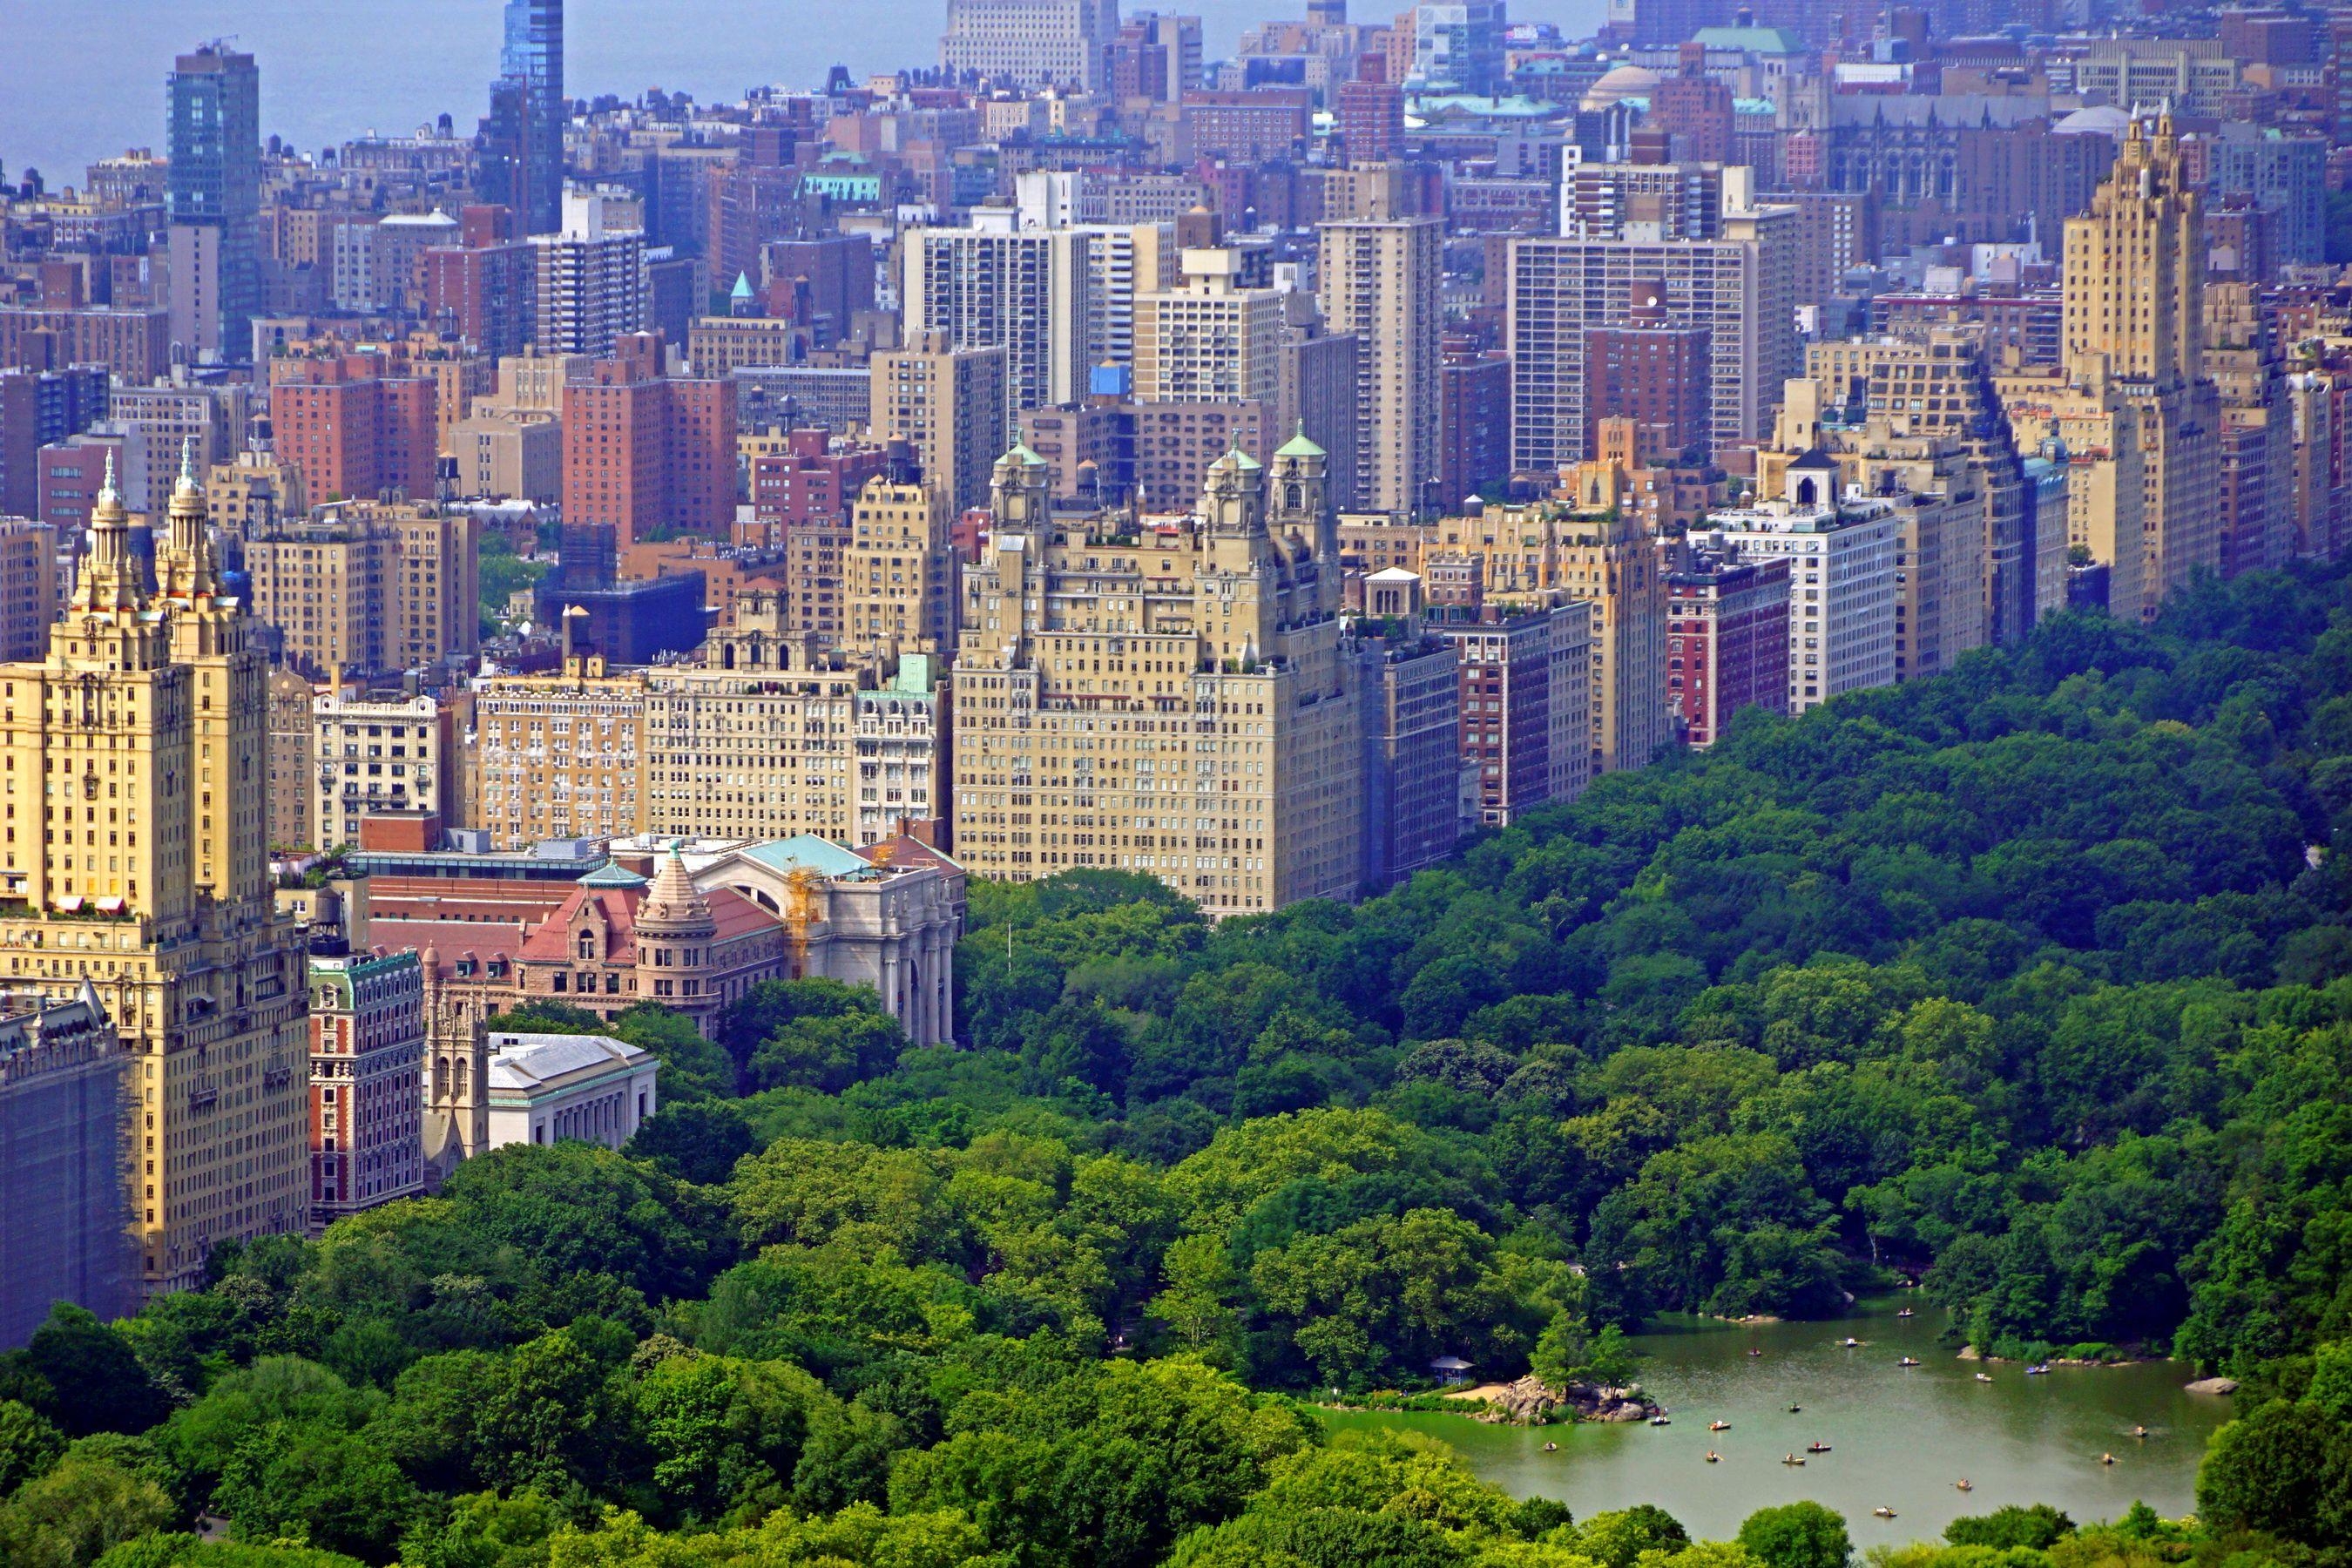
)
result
[(134, 776)]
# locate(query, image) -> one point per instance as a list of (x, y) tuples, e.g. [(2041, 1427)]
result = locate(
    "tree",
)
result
[(83, 1507), (2039, 1527), (317, 1485), (697, 1142), (29, 1446), (1797, 1535), (95, 1380)]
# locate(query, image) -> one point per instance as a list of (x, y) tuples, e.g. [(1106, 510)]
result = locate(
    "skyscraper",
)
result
[(2135, 320), (148, 723), (1031, 42), (213, 196), (1379, 281), (521, 141)]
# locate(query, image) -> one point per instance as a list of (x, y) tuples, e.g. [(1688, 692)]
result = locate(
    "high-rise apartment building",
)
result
[(1030, 43), (520, 166), (1412, 733), (2135, 283), (645, 450), (1739, 287), (66, 1127), (1208, 339), (1527, 693), (363, 588), (40, 409), (1842, 586), (29, 601), (213, 196), (2241, 351), (954, 405), (373, 754), (290, 750), (1028, 291), (367, 1083), (1379, 281), (559, 757), (1187, 710), (1598, 551), (1727, 637), (589, 283), (147, 725), (353, 431), (898, 571)]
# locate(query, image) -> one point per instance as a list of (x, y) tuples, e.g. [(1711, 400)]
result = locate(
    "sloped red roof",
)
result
[(448, 941), (550, 941)]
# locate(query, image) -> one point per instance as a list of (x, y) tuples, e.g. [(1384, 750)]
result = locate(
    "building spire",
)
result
[(186, 563), (110, 578)]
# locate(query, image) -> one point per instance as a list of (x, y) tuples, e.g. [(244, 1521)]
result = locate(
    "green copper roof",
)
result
[(1299, 446), (1021, 455), (742, 289), (822, 855), (611, 874)]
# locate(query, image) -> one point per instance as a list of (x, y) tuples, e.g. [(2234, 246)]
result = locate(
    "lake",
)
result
[(1899, 1436)]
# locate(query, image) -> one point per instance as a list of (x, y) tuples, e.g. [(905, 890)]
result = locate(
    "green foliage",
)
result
[(29, 1446), (1797, 1535), (77, 1512), (2039, 1527), (2034, 979)]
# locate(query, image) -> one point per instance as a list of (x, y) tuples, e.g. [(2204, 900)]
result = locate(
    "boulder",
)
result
[(2213, 1385)]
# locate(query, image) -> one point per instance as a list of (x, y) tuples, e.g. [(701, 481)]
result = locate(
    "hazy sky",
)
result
[(82, 79)]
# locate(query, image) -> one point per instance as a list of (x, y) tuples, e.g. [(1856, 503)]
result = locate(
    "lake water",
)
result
[(1899, 1436), (83, 81)]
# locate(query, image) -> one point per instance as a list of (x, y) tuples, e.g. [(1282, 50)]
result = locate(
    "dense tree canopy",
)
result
[(2033, 980)]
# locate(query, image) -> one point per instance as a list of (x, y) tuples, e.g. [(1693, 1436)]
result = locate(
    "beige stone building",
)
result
[(377, 754), (1208, 339), (290, 723), (1379, 281), (776, 735), (2135, 319), (509, 454), (136, 863), (253, 494), (1166, 694), (370, 587), (559, 757), (1594, 550), (898, 571), (954, 405)]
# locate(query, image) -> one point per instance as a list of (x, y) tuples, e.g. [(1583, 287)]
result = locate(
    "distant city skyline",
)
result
[(85, 84)]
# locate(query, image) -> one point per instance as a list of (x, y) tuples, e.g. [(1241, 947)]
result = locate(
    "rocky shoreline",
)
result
[(1531, 1402)]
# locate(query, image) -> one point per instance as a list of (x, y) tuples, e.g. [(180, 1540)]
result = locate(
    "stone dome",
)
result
[(1624, 82), (2103, 120)]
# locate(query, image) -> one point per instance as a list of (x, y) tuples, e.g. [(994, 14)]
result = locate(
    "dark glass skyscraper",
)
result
[(213, 193), (521, 141)]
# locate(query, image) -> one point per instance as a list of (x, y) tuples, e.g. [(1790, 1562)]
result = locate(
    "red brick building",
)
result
[(643, 450), (1251, 126), (815, 478), (480, 289), (367, 1077), (1727, 637), (1655, 374), (1473, 424), (1371, 114), (353, 431), (1695, 110)]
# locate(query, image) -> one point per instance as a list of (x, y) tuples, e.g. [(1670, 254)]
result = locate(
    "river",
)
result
[(1899, 1436)]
